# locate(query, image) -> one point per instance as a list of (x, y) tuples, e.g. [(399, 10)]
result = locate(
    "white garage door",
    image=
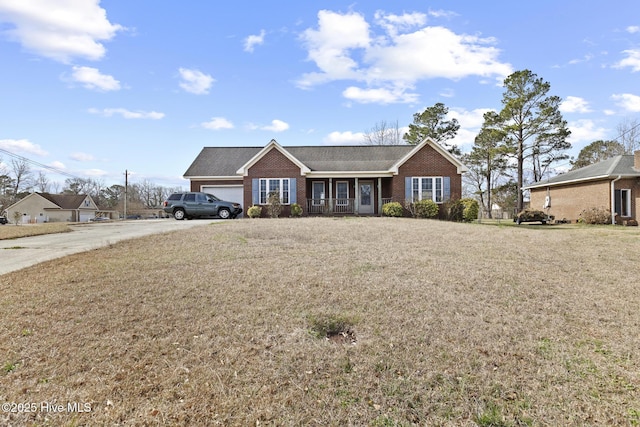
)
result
[(86, 216), (229, 193)]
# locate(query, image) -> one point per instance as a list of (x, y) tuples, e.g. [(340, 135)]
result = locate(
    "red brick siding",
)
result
[(426, 162), (274, 164)]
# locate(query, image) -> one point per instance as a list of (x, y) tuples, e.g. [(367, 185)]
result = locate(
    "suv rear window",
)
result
[(175, 196)]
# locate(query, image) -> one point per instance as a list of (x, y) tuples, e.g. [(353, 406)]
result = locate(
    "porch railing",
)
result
[(330, 206)]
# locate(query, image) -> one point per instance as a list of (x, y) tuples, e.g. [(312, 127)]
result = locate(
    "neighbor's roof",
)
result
[(613, 167), (225, 161), (65, 201)]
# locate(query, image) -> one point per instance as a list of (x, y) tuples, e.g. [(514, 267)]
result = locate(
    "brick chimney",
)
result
[(636, 160)]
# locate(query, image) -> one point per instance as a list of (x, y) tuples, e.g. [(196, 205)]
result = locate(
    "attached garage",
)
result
[(228, 193)]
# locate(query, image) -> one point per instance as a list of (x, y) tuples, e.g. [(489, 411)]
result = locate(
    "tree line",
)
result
[(518, 145), (18, 180)]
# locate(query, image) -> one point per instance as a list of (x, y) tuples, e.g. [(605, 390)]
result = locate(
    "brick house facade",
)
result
[(613, 185), (329, 179)]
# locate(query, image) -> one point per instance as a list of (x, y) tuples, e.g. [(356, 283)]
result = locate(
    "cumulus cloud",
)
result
[(276, 126), (585, 131), (627, 101), (81, 157), (470, 122), (632, 60), (91, 78), (394, 54), (217, 123), (195, 81), (127, 114), (22, 146), (632, 29), (253, 40), (574, 104), (342, 138), (59, 29)]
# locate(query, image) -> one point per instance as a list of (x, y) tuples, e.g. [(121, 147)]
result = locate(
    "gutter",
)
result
[(613, 199)]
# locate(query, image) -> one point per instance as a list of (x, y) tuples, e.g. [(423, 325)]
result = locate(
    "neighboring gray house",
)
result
[(45, 207)]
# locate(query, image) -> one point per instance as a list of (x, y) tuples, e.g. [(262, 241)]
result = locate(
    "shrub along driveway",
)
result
[(330, 321)]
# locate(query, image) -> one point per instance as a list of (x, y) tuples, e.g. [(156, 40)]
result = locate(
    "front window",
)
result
[(279, 186), (342, 193), (317, 193), (425, 188)]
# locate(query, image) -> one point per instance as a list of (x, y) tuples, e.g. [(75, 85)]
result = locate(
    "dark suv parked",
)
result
[(195, 205), (3, 220)]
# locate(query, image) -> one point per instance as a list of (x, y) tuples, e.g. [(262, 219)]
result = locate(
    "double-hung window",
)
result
[(427, 188), (279, 186), (342, 193)]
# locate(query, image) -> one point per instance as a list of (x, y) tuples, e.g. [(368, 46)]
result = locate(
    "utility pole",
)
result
[(126, 190)]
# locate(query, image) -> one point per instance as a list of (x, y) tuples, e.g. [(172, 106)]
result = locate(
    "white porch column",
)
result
[(356, 198), (330, 195), (379, 196)]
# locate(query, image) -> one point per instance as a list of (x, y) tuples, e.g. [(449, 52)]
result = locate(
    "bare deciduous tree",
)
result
[(383, 133)]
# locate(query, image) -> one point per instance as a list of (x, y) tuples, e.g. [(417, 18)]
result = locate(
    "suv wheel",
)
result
[(224, 213), (178, 214)]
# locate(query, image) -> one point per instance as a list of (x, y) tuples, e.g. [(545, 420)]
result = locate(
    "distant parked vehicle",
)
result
[(192, 204), (3, 220), (99, 219)]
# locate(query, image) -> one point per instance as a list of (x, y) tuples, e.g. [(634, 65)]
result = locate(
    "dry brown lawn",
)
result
[(11, 231), (430, 323)]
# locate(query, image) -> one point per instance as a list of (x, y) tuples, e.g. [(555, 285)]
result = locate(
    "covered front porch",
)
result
[(347, 196)]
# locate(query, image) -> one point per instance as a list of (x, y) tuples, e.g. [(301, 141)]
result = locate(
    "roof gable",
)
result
[(272, 145)]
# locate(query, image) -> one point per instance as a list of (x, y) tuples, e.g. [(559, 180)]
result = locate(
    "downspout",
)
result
[(613, 200)]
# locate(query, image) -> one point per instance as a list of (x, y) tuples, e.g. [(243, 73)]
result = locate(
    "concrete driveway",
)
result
[(16, 254)]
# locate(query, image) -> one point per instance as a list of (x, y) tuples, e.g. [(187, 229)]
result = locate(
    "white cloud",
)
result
[(379, 95), (632, 29), (632, 60), (585, 131), (217, 123), (127, 114), (470, 123), (91, 78), (59, 29), (95, 172), (253, 40), (81, 157), (628, 101), (574, 104), (22, 146), (276, 126), (340, 138), (195, 81), (58, 165), (345, 47)]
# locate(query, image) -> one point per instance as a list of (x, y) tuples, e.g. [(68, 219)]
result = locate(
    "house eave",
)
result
[(273, 144), (578, 181), (460, 167), (349, 174), (211, 178)]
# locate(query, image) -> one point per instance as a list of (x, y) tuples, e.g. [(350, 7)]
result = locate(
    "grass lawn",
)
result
[(323, 321), (11, 231)]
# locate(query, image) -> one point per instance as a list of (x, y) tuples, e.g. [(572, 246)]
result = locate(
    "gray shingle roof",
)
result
[(610, 168), (65, 201), (225, 161)]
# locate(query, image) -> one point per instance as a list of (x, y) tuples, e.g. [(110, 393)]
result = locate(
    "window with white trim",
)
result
[(317, 193), (342, 193), (623, 202), (428, 187), (274, 185)]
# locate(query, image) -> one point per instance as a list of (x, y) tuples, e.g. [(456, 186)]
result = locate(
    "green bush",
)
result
[(595, 216), (392, 209), (296, 210), (455, 210), (254, 212), (426, 208), (471, 209)]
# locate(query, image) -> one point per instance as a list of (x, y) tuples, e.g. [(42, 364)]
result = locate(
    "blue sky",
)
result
[(94, 88)]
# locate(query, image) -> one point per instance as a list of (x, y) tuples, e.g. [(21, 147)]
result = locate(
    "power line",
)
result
[(33, 162)]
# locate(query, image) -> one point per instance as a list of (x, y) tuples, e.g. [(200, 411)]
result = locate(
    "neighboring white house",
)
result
[(45, 207)]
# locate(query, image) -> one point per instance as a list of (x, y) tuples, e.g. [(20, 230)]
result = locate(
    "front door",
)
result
[(365, 205)]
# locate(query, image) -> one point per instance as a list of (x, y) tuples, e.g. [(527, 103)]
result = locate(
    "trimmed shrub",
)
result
[(254, 212), (426, 208), (455, 210), (296, 210), (471, 209), (394, 209), (595, 216)]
